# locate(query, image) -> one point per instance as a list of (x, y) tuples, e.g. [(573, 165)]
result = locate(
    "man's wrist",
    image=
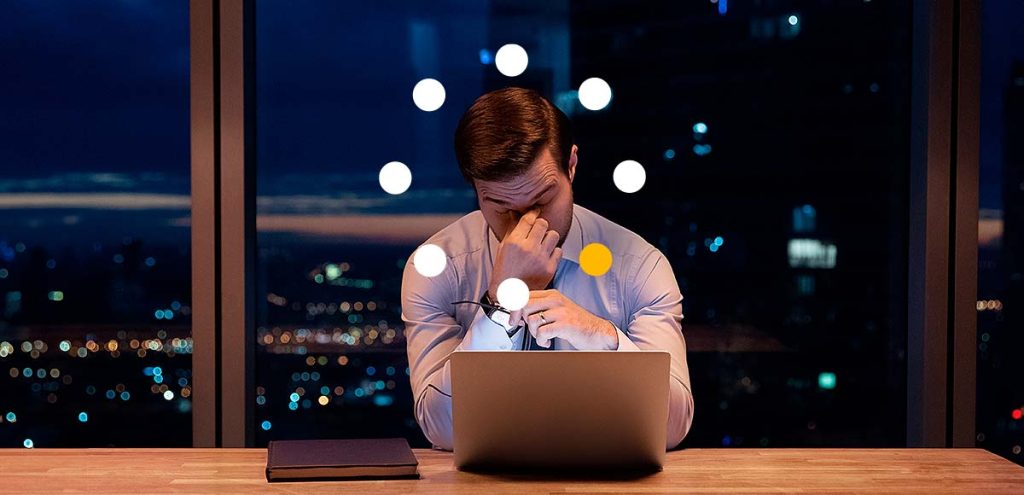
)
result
[(499, 315)]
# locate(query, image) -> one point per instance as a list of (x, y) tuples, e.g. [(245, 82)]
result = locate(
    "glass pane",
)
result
[(775, 140), (1001, 230), (95, 334)]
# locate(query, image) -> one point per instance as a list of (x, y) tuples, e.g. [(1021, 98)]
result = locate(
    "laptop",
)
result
[(579, 410)]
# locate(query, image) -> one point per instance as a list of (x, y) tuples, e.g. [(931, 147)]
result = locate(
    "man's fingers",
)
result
[(550, 241), (544, 324), (525, 224), (546, 293), (546, 332), (540, 300), (514, 317), (533, 323), (534, 328), (538, 230), (556, 257)]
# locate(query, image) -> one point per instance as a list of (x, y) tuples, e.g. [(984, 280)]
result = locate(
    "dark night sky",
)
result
[(92, 90), (89, 89), (1002, 42), (334, 87)]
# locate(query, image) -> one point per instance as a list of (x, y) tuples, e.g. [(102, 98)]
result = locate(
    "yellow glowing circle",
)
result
[(595, 259)]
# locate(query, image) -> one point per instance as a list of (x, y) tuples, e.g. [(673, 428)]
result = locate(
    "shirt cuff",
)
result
[(624, 343), (485, 335)]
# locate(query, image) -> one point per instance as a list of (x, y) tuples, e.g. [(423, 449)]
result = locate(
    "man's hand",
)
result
[(550, 314), (529, 253)]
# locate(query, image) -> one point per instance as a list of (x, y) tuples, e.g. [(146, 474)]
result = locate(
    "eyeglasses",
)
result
[(492, 307)]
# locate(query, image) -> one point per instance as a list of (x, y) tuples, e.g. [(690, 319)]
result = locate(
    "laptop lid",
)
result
[(560, 409)]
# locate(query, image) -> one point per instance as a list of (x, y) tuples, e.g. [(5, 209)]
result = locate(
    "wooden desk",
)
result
[(240, 471)]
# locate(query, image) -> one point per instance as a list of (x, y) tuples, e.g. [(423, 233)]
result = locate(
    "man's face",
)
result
[(544, 186)]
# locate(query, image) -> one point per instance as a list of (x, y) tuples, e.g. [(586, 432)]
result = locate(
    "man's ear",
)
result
[(572, 163)]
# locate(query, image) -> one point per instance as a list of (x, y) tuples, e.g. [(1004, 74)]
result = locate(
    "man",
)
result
[(516, 149)]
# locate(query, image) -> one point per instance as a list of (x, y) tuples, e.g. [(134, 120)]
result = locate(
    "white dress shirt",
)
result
[(639, 295)]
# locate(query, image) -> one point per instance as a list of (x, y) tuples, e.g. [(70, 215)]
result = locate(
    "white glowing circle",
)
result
[(395, 177), (595, 93), (629, 176), (428, 95), (511, 60), (513, 294), (429, 260)]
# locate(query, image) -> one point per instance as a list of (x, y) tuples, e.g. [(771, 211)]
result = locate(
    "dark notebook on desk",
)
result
[(314, 460)]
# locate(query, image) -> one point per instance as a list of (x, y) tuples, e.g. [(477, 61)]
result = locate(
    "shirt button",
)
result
[(504, 347)]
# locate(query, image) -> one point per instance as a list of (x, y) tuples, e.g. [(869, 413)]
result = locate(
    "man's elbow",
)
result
[(435, 421), (680, 417)]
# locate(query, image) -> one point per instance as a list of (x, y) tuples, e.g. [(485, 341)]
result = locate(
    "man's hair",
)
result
[(505, 130)]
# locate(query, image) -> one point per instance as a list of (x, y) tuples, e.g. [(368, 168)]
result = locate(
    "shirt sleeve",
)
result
[(432, 333), (656, 324)]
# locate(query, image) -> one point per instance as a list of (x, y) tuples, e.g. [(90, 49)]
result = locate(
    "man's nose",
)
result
[(521, 213), (517, 215)]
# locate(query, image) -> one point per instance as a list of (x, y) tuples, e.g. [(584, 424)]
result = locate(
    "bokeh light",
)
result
[(826, 380), (428, 94), (595, 93), (629, 176), (429, 260), (511, 60), (395, 178), (513, 294)]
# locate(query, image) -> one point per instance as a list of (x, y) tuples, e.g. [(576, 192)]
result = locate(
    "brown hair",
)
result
[(505, 130)]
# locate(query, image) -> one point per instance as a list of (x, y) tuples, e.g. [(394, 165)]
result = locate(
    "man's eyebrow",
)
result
[(492, 199), (551, 185)]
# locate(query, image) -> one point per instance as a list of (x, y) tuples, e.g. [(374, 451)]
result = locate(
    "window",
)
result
[(775, 139), (1000, 427), (95, 336)]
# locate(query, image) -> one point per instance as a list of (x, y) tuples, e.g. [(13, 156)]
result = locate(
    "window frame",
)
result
[(943, 214)]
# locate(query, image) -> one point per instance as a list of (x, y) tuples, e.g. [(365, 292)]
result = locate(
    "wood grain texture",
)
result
[(240, 471)]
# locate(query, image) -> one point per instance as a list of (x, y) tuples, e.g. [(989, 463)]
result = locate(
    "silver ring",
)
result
[(542, 317)]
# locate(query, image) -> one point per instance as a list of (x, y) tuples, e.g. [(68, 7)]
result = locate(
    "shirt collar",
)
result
[(574, 240), (570, 248)]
